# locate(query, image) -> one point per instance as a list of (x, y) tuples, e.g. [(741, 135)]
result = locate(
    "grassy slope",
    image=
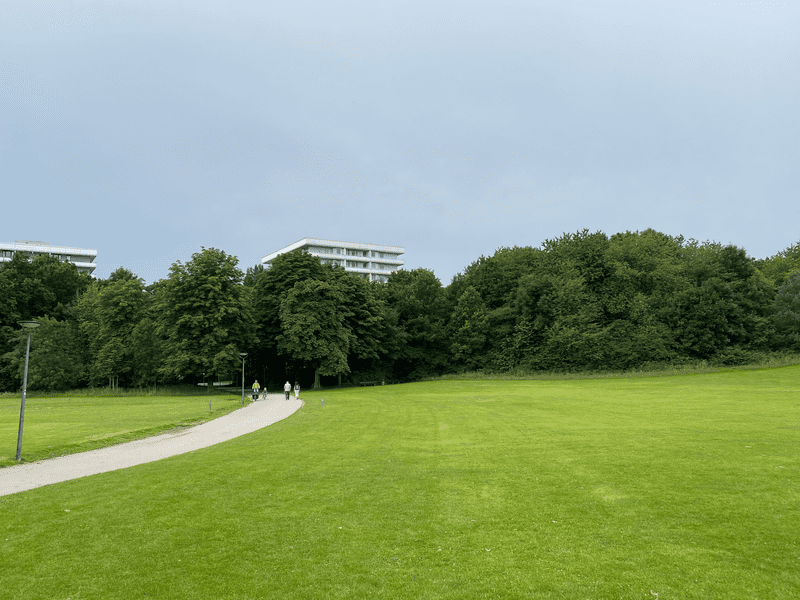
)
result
[(56, 426), (685, 487)]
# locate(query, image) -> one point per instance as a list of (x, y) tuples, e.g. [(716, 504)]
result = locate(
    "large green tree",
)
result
[(269, 289), (56, 358), (42, 286), (560, 322), (468, 329), (344, 316), (314, 330), (644, 271), (559, 325), (724, 310), (495, 279), (364, 311), (203, 317), (108, 313), (145, 349), (421, 311), (30, 289)]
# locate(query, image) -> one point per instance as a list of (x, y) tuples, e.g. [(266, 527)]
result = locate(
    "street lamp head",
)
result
[(29, 324), (242, 354)]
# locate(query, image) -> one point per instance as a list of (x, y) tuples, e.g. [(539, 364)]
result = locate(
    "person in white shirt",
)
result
[(287, 388)]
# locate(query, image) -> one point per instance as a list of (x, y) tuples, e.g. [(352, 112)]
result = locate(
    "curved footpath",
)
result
[(252, 417)]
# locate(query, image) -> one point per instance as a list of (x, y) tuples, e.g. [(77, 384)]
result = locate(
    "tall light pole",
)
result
[(242, 354), (30, 326)]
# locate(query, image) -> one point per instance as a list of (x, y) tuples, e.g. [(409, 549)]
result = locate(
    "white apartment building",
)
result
[(371, 261), (80, 257)]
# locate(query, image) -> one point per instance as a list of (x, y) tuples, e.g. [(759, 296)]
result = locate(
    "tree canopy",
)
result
[(203, 317), (583, 300)]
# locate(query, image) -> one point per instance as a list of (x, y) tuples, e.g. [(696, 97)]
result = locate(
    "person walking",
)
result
[(256, 389), (296, 389), (287, 388)]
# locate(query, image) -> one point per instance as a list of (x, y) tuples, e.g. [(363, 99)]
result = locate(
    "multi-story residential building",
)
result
[(80, 257), (371, 261)]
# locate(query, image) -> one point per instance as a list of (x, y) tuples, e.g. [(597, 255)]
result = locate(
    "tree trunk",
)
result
[(317, 384)]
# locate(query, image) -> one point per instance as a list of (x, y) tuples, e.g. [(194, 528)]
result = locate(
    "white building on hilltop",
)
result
[(80, 257), (371, 261)]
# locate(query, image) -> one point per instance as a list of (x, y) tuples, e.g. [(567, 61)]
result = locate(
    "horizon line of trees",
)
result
[(583, 301)]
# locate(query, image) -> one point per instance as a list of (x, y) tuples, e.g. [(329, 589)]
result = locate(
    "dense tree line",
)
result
[(581, 301)]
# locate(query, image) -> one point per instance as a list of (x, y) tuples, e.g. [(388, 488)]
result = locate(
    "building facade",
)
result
[(80, 257), (371, 261)]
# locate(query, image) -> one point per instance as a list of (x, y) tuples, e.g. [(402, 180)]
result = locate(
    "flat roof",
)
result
[(44, 247), (332, 244)]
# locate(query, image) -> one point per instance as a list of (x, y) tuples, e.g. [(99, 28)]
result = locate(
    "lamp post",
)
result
[(30, 326), (242, 354)]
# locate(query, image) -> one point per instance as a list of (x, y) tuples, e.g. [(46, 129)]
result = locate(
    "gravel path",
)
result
[(252, 417)]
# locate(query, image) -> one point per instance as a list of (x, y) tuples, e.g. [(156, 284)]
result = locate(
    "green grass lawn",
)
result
[(674, 487), (55, 426)]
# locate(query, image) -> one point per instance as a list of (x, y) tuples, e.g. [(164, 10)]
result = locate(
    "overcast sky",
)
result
[(146, 130)]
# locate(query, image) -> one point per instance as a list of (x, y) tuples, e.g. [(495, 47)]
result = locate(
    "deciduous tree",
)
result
[(31, 289), (269, 290), (202, 311), (468, 330), (55, 359), (314, 330), (145, 348), (421, 309), (108, 313)]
